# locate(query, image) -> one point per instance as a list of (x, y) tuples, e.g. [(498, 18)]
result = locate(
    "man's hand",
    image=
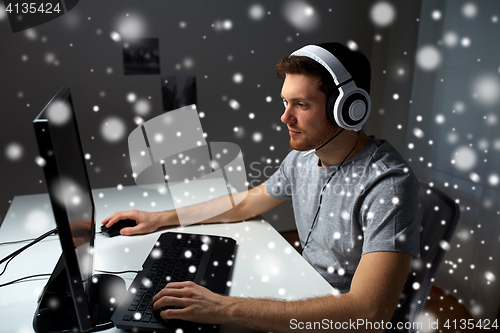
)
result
[(146, 221), (196, 303), (374, 294), (257, 201)]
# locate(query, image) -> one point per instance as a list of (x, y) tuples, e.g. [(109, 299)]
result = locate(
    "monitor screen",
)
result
[(70, 195)]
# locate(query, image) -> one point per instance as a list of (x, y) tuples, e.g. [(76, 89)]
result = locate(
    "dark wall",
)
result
[(76, 50), (453, 141)]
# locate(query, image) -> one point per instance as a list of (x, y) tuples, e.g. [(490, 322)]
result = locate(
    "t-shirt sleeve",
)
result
[(279, 185), (391, 214)]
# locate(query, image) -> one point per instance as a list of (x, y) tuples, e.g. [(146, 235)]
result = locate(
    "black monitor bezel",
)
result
[(82, 296)]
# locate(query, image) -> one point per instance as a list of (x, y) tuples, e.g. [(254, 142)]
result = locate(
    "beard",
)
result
[(310, 141)]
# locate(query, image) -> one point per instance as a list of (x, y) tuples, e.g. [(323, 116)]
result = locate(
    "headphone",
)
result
[(349, 108)]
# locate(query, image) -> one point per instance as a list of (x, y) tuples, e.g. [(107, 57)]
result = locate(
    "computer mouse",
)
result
[(114, 230)]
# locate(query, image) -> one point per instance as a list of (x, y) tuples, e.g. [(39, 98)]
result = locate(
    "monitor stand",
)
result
[(56, 311)]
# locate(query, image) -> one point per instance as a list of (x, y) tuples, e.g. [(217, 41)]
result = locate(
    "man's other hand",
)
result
[(194, 302)]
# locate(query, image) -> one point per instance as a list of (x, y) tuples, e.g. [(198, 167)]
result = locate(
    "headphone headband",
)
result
[(327, 60)]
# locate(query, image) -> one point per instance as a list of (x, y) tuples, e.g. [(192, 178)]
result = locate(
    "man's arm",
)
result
[(375, 290), (256, 201)]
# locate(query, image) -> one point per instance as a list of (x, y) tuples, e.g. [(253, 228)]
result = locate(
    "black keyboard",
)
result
[(172, 266), (175, 257)]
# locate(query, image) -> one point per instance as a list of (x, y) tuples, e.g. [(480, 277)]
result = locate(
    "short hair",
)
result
[(355, 62)]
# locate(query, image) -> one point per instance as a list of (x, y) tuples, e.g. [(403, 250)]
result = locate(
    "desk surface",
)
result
[(265, 265)]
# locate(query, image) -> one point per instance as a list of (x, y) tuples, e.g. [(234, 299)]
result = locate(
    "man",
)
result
[(356, 204)]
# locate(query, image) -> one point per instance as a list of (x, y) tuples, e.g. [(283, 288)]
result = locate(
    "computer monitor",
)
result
[(74, 297)]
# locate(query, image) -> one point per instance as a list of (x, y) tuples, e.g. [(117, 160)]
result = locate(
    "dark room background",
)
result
[(435, 78)]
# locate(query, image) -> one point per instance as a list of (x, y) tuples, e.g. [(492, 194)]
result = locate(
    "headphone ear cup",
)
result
[(330, 105), (353, 108), (353, 111)]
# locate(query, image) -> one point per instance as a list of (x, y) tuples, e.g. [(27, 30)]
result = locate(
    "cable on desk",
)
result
[(121, 272), (17, 252), (5, 267), (30, 239), (40, 275), (23, 240), (19, 241), (23, 278)]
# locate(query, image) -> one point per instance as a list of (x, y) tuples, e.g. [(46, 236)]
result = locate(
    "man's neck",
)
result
[(335, 151)]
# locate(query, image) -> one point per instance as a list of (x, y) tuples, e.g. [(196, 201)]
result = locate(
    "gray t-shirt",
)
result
[(371, 204)]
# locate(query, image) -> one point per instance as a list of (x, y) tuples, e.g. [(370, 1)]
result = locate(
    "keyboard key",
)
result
[(146, 318)]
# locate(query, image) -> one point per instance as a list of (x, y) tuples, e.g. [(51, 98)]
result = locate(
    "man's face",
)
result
[(305, 114)]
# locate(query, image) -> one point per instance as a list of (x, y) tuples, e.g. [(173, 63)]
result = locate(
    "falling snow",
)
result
[(234, 104), (142, 107), (113, 129), (14, 151), (450, 39), (464, 158), (301, 15), (256, 12), (59, 113), (382, 13), (457, 143), (436, 15), (238, 78), (428, 58), (469, 10), (130, 27)]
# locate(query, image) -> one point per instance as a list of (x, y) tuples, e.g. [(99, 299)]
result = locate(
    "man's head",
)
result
[(321, 84), (355, 62)]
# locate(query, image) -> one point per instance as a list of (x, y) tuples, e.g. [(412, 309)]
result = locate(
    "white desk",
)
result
[(265, 266)]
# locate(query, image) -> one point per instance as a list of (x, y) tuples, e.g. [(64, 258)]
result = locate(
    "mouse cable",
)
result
[(7, 264), (21, 241), (24, 278), (47, 275), (121, 272), (15, 253), (30, 239)]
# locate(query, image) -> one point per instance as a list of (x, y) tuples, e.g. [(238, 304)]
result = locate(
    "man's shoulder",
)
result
[(386, 156), (383, 165)]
